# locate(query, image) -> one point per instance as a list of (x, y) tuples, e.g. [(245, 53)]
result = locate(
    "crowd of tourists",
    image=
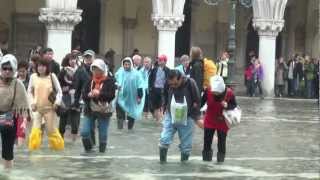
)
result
[(298, 77), (46, 97)]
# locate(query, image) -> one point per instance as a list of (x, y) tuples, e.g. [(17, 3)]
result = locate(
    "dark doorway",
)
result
[(86, 34), (279, 46), (252, 42), (183, 33)]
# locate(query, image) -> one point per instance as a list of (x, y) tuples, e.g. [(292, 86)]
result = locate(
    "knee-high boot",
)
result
[(207, 155), (184, 157), (87, 144), (35, 139), (56, 141), (220, 157), (163, 154), (120, 123)]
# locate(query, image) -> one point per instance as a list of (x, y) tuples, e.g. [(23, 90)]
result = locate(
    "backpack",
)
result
[(209, 70)]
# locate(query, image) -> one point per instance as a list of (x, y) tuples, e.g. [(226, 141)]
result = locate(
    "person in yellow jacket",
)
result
[(209, 70), (41, 85)]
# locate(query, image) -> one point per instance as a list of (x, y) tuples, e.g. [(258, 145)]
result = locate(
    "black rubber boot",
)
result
[(120, 123), (102, 147), (163, 154), (130, 123), (207, 155), (93, 137), (87, 144), (220, 157), (184, 157)]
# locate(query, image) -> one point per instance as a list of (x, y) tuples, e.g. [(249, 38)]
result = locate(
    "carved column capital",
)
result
[(167, 22), (61, 19), (268, 27)]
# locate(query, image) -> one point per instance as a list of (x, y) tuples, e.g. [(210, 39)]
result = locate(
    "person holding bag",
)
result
[(218, 98), (14, 103), (46, 94), (182, 109), (68, 113), (97, 96)]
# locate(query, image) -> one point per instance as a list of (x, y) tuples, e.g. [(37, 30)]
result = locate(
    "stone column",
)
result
[(60, 17), (167, 17), (268, 21), (267, 54), (167, 27)]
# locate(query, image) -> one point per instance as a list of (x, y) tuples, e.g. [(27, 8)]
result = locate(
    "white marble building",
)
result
[(270, 27)]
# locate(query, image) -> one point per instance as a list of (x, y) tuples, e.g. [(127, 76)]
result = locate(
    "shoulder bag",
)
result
[(7, 118)]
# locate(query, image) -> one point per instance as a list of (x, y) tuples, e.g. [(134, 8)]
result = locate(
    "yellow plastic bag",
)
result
[(35, 139), (56, 142)]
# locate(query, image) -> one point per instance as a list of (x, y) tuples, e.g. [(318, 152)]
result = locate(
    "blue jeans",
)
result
[(310, 89), (185, 134), (88, 124)]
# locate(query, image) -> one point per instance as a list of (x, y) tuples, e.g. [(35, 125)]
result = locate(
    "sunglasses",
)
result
[(7, 68)]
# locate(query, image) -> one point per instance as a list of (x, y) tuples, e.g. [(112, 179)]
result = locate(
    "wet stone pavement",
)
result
[(277, 139)]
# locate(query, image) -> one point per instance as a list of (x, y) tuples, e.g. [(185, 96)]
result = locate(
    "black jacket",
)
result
[(153, 74), (63, 82), (81, 77), (298, 71), (54, 67), (196, 72), (107, 93), (190, 91)]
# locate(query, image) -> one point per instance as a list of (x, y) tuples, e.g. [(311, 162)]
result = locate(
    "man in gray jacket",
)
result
[(182, 109)]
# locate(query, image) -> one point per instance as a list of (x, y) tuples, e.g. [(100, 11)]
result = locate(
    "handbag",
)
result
[(7, 118), (232, 117), (101, 107), (61, 110), (52, 98), (53, 94)]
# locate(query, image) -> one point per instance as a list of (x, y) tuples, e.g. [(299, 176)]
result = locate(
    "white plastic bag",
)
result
[(204, 108), (232, 117), (179, 111)]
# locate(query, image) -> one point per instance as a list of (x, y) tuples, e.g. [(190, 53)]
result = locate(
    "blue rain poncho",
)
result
[(180, 68), (130, 82)]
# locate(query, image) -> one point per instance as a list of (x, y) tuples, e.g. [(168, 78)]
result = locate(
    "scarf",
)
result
[(21, 105), (98, 81), (70, 71)]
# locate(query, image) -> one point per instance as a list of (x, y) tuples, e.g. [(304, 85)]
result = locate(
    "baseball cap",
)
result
[(89, 52), (162, 57)]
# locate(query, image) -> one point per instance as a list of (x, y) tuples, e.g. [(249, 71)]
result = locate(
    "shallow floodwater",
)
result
[(277, 139)]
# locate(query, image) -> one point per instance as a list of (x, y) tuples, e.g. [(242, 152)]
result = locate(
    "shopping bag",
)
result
[(179, 111), (232, 117)]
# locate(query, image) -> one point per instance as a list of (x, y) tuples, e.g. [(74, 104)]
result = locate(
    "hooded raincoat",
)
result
[(129, 82)]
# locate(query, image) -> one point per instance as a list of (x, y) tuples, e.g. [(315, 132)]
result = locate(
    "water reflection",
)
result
[(275, 140)]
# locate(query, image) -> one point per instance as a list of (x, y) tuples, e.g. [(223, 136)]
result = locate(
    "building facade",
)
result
[(271, 28)]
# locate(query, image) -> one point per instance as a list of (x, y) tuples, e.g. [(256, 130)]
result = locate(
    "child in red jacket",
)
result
[(218, 98)]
